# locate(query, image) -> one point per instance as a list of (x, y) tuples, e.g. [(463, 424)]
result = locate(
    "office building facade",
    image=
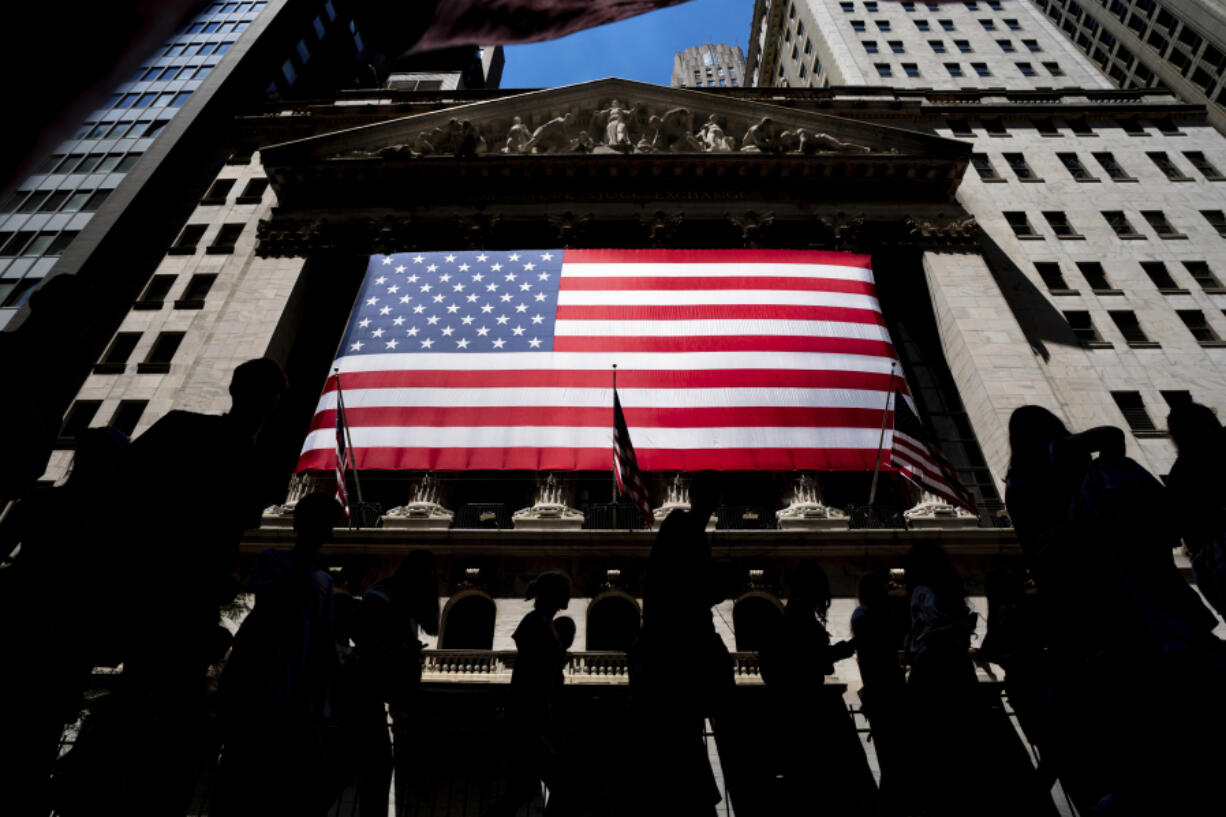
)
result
[(708, 66)]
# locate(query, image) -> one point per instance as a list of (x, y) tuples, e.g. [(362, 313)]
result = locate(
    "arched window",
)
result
[(754, 617), (468, 623), (612, 623)]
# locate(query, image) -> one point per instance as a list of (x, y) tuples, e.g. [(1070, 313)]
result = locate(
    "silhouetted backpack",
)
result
[(1125, 513)]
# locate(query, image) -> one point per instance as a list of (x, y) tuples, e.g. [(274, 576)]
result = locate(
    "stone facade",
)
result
[(712, 66)]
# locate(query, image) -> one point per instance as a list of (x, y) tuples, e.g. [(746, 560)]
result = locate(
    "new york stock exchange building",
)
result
[(779, 275)]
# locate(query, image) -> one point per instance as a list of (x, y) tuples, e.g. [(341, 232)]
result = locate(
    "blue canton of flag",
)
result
[(474, 301)]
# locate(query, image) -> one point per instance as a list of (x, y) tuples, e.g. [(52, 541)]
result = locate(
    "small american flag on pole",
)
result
[(923, 462), (626, 466), (342, 463)]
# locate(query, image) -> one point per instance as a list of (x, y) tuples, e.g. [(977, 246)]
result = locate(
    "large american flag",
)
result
[(727, 359)]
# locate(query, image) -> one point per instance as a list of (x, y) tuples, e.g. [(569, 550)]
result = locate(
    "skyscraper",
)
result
[(710, 66)]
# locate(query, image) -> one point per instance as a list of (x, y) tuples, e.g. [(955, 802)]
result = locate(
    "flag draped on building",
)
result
[(917, 457), (626, 466), (727, 359)]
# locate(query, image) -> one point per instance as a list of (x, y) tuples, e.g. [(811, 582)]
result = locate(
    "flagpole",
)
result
[(613, 425), (889, 393), (340, 403)]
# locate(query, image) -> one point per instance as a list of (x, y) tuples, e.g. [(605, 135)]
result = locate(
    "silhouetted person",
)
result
[(823, 764), (1197, 486), (276, 683), (194, 483), (387, 675), (680, 670), (56, 613), (877, 640), (532, 713)]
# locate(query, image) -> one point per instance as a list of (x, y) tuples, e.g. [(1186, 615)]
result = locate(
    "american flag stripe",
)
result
[(342, 495), (923, 462), (625, 464), (753, 359)]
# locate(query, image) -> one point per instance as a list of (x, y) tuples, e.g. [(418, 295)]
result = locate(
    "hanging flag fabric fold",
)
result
[(625, 465)]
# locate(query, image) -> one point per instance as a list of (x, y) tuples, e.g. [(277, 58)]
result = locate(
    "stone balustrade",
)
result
[(587, 667)]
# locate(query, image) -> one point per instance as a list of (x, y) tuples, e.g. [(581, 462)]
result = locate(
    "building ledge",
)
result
[(152, 368), (189, 303), (109, 368), (1107, 291), (1144, 344), (1150, 434), (1062, 292), (147, 305), (1181, 291)]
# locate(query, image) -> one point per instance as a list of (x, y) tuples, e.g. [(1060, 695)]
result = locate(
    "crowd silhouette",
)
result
[(1110, 660)]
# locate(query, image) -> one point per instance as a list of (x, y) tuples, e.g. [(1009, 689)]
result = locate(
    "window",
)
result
[(160, 354), (1045, 126), (938, 47), (848, 8), (1176, 398), (1206, 168), (1052, 277), (1195, 320), (883, 25), (117, 353), (988, 25), (995, 127), (16, 242), (1026, 69), (1157, 272), (287, 70), (14, 292), (128, 415), (53, 202), (1112, 167), (1079, 126), (1168, 168), (908, 6), (217, 192), (994, 5), (883, 69), (960, 127), (197, 289), (954, 69), (871, 46), (1120, 223), (1020, 224), (1006, 46), (223, 244), (186, 243), (179, 99), (870, 7), (1032, 46), (1083, 328), (56, 248), (922, 25), (1095, 276), (896, 46), (1012, 25), (1017, 163), (1167, 126), (981, 68), (1130, 328), (1075, 168), (33, 202), (78, 418), (1199, 270), (39, 245), (1054, 69), (947, 25), (1216, 219), (202, 72), (983, 165), (1133, 409), (971, 6), (155, 292), (1060, 224), (911, 69), (1157, 219)]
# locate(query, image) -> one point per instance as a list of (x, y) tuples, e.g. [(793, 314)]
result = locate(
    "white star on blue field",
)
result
[(468, 301)]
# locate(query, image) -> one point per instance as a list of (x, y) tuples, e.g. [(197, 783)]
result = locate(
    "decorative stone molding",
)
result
[(845, 229), (423, 510), (661, 227), (549, 511), (944, 231), (677, 498), (933, 512), (806, 511), (478, 230), (753, 226), (282, 516), (570, 226)]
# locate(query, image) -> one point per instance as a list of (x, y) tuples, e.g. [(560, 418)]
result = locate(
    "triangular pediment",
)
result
[(611, 117)]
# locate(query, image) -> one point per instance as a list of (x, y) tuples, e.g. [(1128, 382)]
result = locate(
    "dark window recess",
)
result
[(161, 353), (1129, 327), (1079, 126), (128, 415), (1133, 409), (155, 292), (1204, 276), (983, 166), (1168, 168), (1216, 219), (1132, 127), (117, 353), (1095, 276), (253, 193), (197, 289), (14, 293), (1206, 167), (1176, 398), (1075, 168), (1060, 224), (1052, 277), (1195, 320), (995, 127), (1020, 224), (60, 243), (1023, 171), (217, 192), (1157, 272), (226, 238), (1167, 125), (1114, 169), (960, 127), (1120, 223), (1046, 127), (1083, 328), (1157, 220), (78, 418), (186, 243), (95, 201)]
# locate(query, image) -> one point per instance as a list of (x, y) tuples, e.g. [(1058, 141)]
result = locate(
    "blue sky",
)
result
[(640, 48)]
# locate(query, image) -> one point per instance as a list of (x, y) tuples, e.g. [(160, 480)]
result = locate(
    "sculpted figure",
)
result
[(469, 142), (617, 135), (713, 138), (551, 137), (518, 136), (824, 142), (674, 132), (426, 142), (650, 133), (762, 137)]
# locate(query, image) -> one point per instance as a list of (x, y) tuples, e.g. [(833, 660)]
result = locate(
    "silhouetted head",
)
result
[(564, 626), (1032, 430), (98, 453), (1189, 422), (416, 581), (810, 589), (1003, 588), (873, 591), (256, 388), (706, 489), (551, 591), (314, 516), (927, 565)]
